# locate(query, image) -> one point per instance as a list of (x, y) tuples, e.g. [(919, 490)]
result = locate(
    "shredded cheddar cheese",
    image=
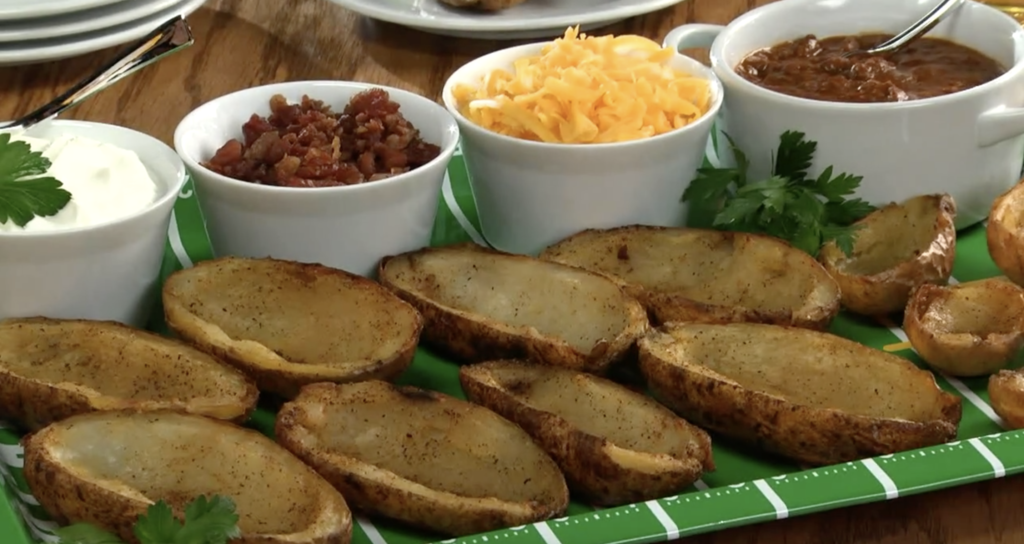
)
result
[(584, 89)]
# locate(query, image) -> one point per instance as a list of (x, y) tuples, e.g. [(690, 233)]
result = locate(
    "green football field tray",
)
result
[(746, 488)]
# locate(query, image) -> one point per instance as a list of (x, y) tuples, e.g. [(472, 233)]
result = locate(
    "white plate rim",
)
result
[(50, 8), (376, 10), (83, 21), (68, 46)]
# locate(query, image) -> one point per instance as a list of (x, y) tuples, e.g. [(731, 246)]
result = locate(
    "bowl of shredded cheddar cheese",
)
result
[(581, 132)]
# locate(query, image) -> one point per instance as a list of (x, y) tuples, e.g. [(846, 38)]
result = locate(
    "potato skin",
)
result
[(377, 490), (34, 404), (668, 306), (810, 436), (1004, 244), (472, 340), (583, 458), (984, 354), (888, 291), (1006, 392)]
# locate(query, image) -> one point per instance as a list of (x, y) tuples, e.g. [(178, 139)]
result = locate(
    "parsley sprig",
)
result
[(207, 521), (25, 191), (807, 212)]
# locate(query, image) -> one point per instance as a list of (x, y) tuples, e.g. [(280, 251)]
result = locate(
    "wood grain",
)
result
[(243, 43)]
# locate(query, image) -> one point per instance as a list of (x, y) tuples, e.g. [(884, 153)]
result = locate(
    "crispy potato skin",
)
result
[(69, 498), (470, 338), (283, 380), (808, 435), (963, 353), (1006, 392), (668, 306), (379, 491), (32, 404), (1004, 243), (483, 5), (888, 291), (584, 458)]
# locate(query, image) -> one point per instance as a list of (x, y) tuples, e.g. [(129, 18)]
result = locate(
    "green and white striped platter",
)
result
[(746, 488)]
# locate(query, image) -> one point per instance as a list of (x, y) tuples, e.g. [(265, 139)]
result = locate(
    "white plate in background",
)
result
[(81, 22)]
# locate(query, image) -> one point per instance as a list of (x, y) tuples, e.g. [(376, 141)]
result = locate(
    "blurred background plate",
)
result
[(531, 19), (80, 22), (11, 10), (34, 51)]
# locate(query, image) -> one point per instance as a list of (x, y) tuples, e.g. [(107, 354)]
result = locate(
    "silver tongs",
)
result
[(172, 36)]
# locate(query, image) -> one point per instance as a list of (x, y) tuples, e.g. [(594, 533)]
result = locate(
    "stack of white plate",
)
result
[(531, 19), (34, 31)]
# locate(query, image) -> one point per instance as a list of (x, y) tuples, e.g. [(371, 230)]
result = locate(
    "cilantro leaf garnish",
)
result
[(25, 191), (207, 521), (807, 212)]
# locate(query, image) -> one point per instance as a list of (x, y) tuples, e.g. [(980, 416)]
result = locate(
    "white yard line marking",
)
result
[(371, 531), (453, 206), (960, 386), (700, 485), (546, 533), (10, 455), (781, 510), (997, 466), (671, 529), (891, 492), (174, 237)]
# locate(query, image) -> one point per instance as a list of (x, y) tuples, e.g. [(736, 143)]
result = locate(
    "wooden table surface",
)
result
[(244, 43)]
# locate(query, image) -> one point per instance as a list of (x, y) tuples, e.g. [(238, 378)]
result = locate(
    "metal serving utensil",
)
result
[(915, 31), (172, 36)]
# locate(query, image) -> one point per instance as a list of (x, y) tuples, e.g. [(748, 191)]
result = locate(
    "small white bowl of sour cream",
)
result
[(99, 257)]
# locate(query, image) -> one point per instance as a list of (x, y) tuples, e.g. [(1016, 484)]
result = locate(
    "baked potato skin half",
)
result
[(69, 495), (398, 495), (469, 336), (1006, 393), (715, 276), (888, 263), (601, 471), (281, 369), (970, 329), (1005, 242), (810, 435), (114, 367)]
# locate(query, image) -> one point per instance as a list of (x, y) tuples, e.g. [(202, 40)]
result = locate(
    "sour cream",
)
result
[(106, 183)]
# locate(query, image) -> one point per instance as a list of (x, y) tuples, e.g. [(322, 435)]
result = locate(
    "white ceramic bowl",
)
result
[(967, 144), (107, 271), (532, 194), (349, 227)]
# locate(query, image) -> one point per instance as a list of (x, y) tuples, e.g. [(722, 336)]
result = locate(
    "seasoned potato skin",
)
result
[(1006, 392), (815, 310), (586, 460), (464, 338), (32, 404), (377, 490), (963, 353), (69, 498), (889, 290), (484, 5), (814, 437), (1005, 244), (263, 365)]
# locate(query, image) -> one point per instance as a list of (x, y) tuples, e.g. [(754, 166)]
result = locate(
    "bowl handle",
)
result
[(999, 124), (692, 36)]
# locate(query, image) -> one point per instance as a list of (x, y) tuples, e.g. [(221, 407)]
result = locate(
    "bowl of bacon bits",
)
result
[(582, 132), (333, 172)]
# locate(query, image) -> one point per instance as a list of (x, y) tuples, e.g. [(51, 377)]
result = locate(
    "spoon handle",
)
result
[(921, 27), (171, 36)]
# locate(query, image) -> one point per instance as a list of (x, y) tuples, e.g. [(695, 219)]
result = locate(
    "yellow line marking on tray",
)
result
[(897, 347)]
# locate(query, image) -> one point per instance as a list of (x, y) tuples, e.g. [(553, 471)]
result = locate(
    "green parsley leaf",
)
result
[(25, 192), (212, 521), (807, 212), (157, 525), (85, 533)]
